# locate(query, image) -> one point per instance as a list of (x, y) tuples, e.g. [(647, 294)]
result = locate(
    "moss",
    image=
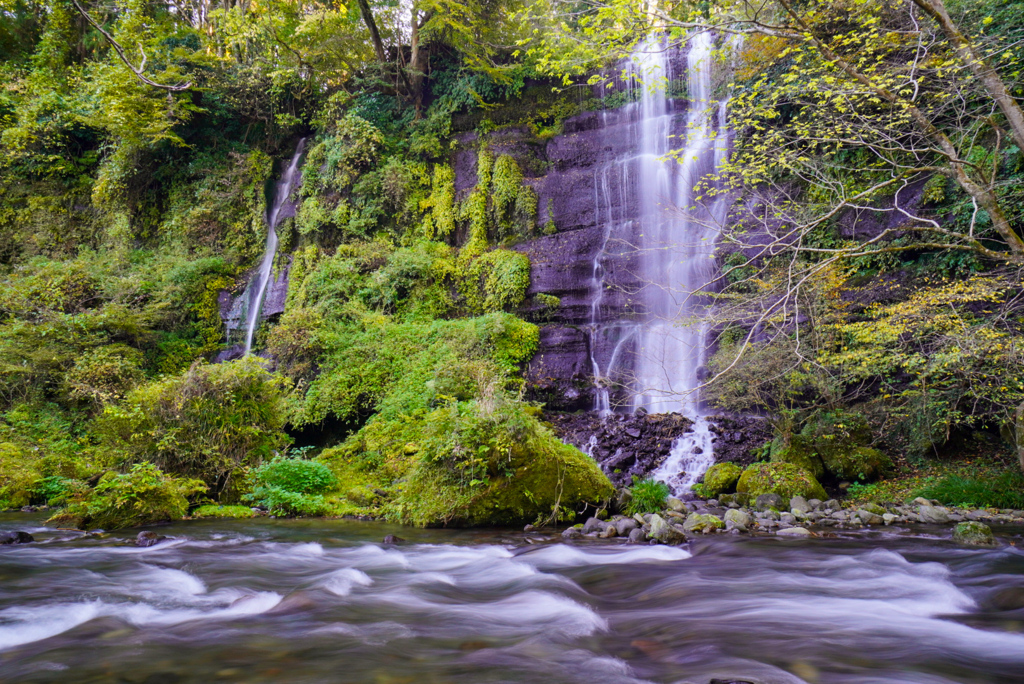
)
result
[(800, 452), (721, 478), (215, 511), (18, 476), (784, 479), (485, 461), (142, 495), (857, 463)]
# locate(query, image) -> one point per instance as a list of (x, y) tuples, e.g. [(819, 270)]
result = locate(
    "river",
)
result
[(326, 601)]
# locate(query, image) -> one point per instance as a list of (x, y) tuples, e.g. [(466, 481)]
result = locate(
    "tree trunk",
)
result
[(419, 62), (371, 25), (981, 69), (1019, 435)]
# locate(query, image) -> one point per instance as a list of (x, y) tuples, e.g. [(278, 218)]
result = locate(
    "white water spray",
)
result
[(282, 192)]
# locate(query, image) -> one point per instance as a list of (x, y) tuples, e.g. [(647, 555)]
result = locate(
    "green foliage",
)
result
[(649, 496), (294, 475), (18, 477), (1002, 490), (204, 423), (141, 496)]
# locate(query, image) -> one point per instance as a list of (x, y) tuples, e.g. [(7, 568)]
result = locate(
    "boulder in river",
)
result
[(148, 538), (16, 537), (768, 501), (721, 478), (704, 523), (784, 479), (738, 517), (974, 534), (664, 532), (572, 533), (797, 532), (933, 514)]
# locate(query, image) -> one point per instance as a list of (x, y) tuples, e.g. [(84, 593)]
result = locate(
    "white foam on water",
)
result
[(341, 582), (565, 556), (307, 549)]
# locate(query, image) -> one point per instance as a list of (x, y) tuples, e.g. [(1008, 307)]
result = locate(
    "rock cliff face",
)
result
[(587, 205)]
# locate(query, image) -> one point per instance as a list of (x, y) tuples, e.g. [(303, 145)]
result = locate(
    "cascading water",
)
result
[(258, 287), (656, 355)]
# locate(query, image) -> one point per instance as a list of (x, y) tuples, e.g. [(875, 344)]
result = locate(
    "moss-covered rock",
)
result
[(478, 462), (703, 523), (856, 463), (721, 478), (974, 534), (800, 451), (784, 479)]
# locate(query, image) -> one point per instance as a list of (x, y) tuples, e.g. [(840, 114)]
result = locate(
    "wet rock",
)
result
[(933, 514), (16, 537), (675, 504), (148, 538), (738, 517), (796, 532), (637, 536), (889, 518), (704, 523), (799, 503), (572, 533), (625, 526), (766, 501), (815, 504), (608, 532), (873, 507), (392, 539), (592, 525), (664, 532), (721, 478), (870, 517), (974, 534)]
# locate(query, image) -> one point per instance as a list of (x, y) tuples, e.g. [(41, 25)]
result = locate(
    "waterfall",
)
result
[(655, 353), (258, 287)]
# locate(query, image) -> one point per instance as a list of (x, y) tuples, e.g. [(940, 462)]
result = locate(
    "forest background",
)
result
[(140, 138)]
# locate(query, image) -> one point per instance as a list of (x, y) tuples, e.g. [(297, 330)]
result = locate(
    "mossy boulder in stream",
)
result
[(487, 461), (721, 478), (784, 479)]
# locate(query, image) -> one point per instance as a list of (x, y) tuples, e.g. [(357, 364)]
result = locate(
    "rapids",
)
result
[(325, 601)]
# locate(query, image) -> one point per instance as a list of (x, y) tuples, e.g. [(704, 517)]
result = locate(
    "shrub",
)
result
[(295, 475), (1004, 490), (204, 423), (649, 496), (143, 495), (17, 477), (55, 490), (215, 511), (291, 486)]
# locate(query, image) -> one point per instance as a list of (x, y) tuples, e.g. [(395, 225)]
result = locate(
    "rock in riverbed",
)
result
[(16, 537), (974, 534)]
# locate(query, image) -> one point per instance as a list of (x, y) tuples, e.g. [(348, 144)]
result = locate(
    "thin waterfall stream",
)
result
[(258, 288)]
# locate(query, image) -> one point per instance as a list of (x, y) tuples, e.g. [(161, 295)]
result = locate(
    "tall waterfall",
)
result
[(655, 354), (258, 288)]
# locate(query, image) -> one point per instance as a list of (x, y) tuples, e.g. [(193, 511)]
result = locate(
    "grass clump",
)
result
[(997, 490), (649, 496)]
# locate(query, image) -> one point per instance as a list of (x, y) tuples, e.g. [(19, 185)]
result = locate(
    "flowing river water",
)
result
[(326, 601)]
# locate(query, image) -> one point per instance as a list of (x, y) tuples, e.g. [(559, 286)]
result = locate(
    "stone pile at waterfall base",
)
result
[(769, 514), (625, 445)]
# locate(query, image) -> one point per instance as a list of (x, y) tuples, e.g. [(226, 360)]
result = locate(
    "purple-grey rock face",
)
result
[(591, 260)]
